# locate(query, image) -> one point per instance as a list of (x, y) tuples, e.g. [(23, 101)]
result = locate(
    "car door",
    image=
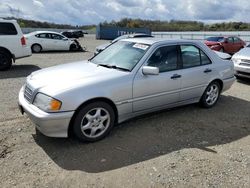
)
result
[(152, 91), (44, 39), (196, 72), (229, 45), (237, 44), (59, 43)]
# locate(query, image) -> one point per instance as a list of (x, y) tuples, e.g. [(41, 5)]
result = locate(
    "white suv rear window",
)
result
[(7, 29)]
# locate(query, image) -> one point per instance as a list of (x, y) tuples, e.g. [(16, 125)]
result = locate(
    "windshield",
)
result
[(121, 54), (120, 38), (215, 39)]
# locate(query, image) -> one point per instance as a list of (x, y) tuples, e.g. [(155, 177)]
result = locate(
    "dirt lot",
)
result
[(181, 147)]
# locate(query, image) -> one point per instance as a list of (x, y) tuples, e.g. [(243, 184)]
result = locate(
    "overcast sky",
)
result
[(83, 12)]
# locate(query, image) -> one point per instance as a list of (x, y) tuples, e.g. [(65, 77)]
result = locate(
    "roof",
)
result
[(150, 41), (38, 32), (7, 21)]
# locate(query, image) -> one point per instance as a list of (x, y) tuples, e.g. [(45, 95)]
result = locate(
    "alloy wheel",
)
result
[(95, 122)]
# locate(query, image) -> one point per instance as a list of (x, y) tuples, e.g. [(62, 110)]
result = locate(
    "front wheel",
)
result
[(211, 95), (94, 121)]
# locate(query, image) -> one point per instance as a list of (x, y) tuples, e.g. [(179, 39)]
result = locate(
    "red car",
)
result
[(227, 44)]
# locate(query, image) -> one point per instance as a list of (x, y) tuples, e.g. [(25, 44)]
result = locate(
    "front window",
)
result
[(57, 37), (165, 58), (122, 54)]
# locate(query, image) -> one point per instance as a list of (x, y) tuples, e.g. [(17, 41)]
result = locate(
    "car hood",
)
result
[(243, 53), (63, 77)]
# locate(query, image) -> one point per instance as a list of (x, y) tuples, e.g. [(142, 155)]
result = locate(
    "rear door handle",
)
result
[(175, 76), (207, 70)]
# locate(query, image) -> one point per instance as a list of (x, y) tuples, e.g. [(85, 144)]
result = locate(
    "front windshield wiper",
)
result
[(113, 67)]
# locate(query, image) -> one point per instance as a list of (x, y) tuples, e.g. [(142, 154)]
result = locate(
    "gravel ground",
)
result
[(182, 147)]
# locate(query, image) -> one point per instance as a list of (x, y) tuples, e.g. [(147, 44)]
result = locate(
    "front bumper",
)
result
[(49, 124), (242, 71)]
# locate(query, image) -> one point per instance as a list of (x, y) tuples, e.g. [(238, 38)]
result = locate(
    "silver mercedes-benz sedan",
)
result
[(129, 78)]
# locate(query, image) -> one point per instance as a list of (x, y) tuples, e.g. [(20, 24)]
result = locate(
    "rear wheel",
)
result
[(36, 48), (5, 60), (94, 121), (211, 95)]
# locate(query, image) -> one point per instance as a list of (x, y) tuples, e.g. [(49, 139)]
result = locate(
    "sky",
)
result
[(85, 12)]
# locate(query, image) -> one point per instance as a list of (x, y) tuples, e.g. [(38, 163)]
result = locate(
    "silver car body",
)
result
[(242, 62), (131, 93)]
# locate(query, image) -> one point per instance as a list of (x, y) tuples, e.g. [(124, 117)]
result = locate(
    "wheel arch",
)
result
[(7, 51), (219, 81), (36, 44), (97, 99)]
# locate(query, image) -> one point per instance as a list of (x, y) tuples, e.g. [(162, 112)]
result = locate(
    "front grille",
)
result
[(246, 61), (245, 64), (28, 93)]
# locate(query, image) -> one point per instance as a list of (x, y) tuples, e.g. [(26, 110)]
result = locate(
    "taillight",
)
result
[(23, 41)]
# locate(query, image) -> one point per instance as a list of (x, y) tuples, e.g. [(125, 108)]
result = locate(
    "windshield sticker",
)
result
[(140, 46)]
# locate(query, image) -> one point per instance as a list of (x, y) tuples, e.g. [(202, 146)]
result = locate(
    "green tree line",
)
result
[(178, 25)]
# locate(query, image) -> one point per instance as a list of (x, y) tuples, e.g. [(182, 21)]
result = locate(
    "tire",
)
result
[(36, 48), (5, 60), (211, 95), (73, 47), (93, 122)]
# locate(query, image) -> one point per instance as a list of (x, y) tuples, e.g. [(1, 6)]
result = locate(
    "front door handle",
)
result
[(207, 70), (175, 76)]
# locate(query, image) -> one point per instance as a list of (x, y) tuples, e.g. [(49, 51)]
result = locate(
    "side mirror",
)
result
[(147, 70), (65, 39)]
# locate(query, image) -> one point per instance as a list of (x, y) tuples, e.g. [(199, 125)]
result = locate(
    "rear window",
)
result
[(215, 39), (7, 29)]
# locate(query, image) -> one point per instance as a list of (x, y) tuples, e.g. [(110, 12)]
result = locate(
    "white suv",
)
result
[(12, 43)]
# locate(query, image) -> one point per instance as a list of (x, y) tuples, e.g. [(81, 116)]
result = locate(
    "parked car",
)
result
[(131, 77), (73, 34), (12, 44), (135, 35), (228, 44), (51, 41), (242, 62)]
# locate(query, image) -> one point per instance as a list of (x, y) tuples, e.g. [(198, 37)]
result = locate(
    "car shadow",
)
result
[(18, 71), (153, 135), (244, 80)]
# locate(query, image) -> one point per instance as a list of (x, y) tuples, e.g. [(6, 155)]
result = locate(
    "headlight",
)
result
[(47, 103), (236, 61)]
